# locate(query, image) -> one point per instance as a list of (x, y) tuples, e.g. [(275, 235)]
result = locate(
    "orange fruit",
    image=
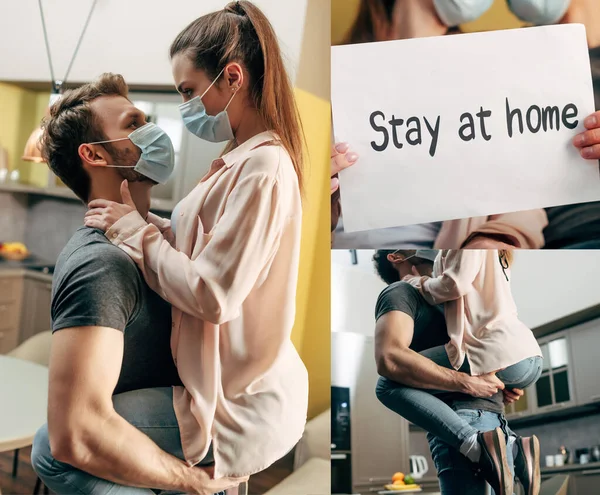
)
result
[(399, 483), (398, 476)]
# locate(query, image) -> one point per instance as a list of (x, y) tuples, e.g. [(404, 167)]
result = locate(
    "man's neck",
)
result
[(586, 12), (108, 191), (416, 19), (112, 192)]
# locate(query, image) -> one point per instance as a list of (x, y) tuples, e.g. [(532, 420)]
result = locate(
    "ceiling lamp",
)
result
[(33, 152)]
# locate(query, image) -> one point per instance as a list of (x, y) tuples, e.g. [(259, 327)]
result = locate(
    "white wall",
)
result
[(354, 291), (130, 37), (548, 285)]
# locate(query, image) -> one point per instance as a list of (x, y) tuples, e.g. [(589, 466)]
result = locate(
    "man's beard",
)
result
[(125, 158)]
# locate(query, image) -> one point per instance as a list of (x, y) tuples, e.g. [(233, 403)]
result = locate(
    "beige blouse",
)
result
[(524, 229), (231, 275), (481, 315)]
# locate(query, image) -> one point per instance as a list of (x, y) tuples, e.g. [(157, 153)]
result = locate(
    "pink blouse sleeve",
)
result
[(215, 284), (461, 267), (164, 225)]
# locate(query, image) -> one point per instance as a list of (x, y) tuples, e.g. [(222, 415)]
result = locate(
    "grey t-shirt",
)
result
[(96, 284), (430, 331)]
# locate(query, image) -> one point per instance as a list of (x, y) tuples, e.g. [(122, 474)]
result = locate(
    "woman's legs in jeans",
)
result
[(424, 409)]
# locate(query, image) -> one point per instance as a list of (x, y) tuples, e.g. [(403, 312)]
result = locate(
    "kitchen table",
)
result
[(24, 398)]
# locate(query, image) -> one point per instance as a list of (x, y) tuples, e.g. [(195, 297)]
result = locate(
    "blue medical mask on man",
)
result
[(455, 12), (539, 12), (213, 128), (157, 160)]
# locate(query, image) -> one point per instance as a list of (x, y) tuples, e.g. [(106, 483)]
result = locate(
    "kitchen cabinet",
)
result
[(555, 390), (585, 342), (35, 313), (379, 437), (24, 306), (585, 482), (11, 295), (523, 407)]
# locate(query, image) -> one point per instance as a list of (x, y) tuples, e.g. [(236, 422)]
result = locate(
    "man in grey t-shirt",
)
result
[(111, 333), (400, 306)]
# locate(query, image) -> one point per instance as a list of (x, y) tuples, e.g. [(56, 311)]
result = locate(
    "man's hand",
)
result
[(341, 158), (203, 484), (103, 214), (512, 395), (482, 385), (588, 142)]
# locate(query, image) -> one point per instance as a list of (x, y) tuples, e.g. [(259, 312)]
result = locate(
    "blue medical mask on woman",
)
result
[(539, 12), (455, 12), (157, 160), (213, 128)]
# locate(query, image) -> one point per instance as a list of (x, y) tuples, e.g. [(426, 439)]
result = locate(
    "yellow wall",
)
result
[(20, 112), (311, 333), (343, 13)]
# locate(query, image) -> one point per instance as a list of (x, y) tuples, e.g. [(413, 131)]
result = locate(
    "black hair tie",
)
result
[(236, 8)]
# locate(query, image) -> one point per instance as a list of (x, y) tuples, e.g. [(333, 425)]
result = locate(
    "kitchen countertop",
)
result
[(18, 272), (571, 468), (34, 267)]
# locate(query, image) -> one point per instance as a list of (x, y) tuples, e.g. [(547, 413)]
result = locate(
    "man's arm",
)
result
[(396, 361), (87, 433)]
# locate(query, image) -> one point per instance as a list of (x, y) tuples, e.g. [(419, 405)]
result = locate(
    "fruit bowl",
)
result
[(14, 256), (13, 251), (390, 489), (401, 483)]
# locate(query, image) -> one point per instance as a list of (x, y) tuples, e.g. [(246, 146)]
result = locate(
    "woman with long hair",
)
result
[(488, 340), (228, 259)]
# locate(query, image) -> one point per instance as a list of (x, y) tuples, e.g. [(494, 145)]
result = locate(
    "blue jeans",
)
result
[(149, 410), (455, 471), (424, 409)]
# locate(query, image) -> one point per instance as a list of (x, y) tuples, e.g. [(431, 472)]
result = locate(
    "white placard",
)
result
[(433, 90)]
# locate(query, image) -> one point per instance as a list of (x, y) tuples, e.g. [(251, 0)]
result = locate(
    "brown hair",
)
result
[(241, 33), (371, 23), (71, 123)]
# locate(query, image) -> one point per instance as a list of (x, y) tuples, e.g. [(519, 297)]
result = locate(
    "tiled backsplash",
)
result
[(574, 434), (50, 224), (44, 224), (13, 217)]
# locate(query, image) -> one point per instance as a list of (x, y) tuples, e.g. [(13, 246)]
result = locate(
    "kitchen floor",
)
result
[(24, 483)]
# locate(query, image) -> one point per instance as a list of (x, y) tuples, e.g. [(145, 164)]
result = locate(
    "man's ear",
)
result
[(93, 155), (395, 257)]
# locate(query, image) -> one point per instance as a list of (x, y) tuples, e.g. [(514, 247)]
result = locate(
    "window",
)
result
[(553, 385)]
